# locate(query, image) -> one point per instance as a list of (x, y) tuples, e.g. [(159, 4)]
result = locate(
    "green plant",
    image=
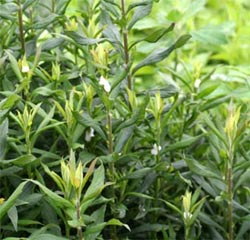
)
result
[(132, 94)]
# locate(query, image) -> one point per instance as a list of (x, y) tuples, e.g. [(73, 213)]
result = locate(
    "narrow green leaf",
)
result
[(172, 206), (117, 222), (245, 177), (9, 171), (140, 195), (86, 120), (4, 129), (14, 65), (10, 101), (244, 228), (12, 214), (21, 161), (161, 54), (141, 11), (201, 170), (210, 35), (183, 143), (10, 202), (52, 43), (123, 137), (205, 92), (47, 236), (154, 34), (80, 39), (57, 179), (138, 173), (57, 200), (214, 102), (97, 183)]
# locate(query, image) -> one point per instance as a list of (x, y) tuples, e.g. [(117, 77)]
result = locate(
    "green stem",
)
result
[(187, 230), (125, 45), (230, 193), (230, 204), (78, 213), (112, 165), (20, 23)]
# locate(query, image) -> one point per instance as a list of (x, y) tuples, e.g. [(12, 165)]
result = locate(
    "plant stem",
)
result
[(125, 45), (230, 205), (20, 23), (230, 194), (78, 213), (112, 165)]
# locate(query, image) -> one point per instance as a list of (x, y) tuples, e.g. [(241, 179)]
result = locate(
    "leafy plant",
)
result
[(124, 119)]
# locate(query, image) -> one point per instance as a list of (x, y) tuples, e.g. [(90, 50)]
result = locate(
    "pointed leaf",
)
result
[(80, 39), (12, 214), (86, 120), (10, 202), (141, 11), (183, 143), (161, 54)]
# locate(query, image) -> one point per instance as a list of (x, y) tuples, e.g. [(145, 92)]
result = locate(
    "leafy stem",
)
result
[(20, 23), (125, 44)]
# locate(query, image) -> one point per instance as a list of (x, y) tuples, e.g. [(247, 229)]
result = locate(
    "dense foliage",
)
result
[(124, 119)]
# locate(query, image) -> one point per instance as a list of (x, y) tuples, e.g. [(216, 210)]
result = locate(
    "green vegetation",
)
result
[(124, 119)]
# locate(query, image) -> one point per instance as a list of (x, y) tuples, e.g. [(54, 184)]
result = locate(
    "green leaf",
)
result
[(205, 218), (201, 170), (205, 92), (245, 177), (214, 102), (82, 40), (154, 35), (46, 236), (10, 202), (172, 206), (86, 120), (21, 161), (139, 173), (139, 195), (55, 198), (123, 138), (10, 101), (183, 143), (117, 222), (210, 35), (52, 43), (141, 11), (9, 171), (12, 214), (97, 184), (161, 54), (14, 65), (4, 128), (45, 22), (244, 229)]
